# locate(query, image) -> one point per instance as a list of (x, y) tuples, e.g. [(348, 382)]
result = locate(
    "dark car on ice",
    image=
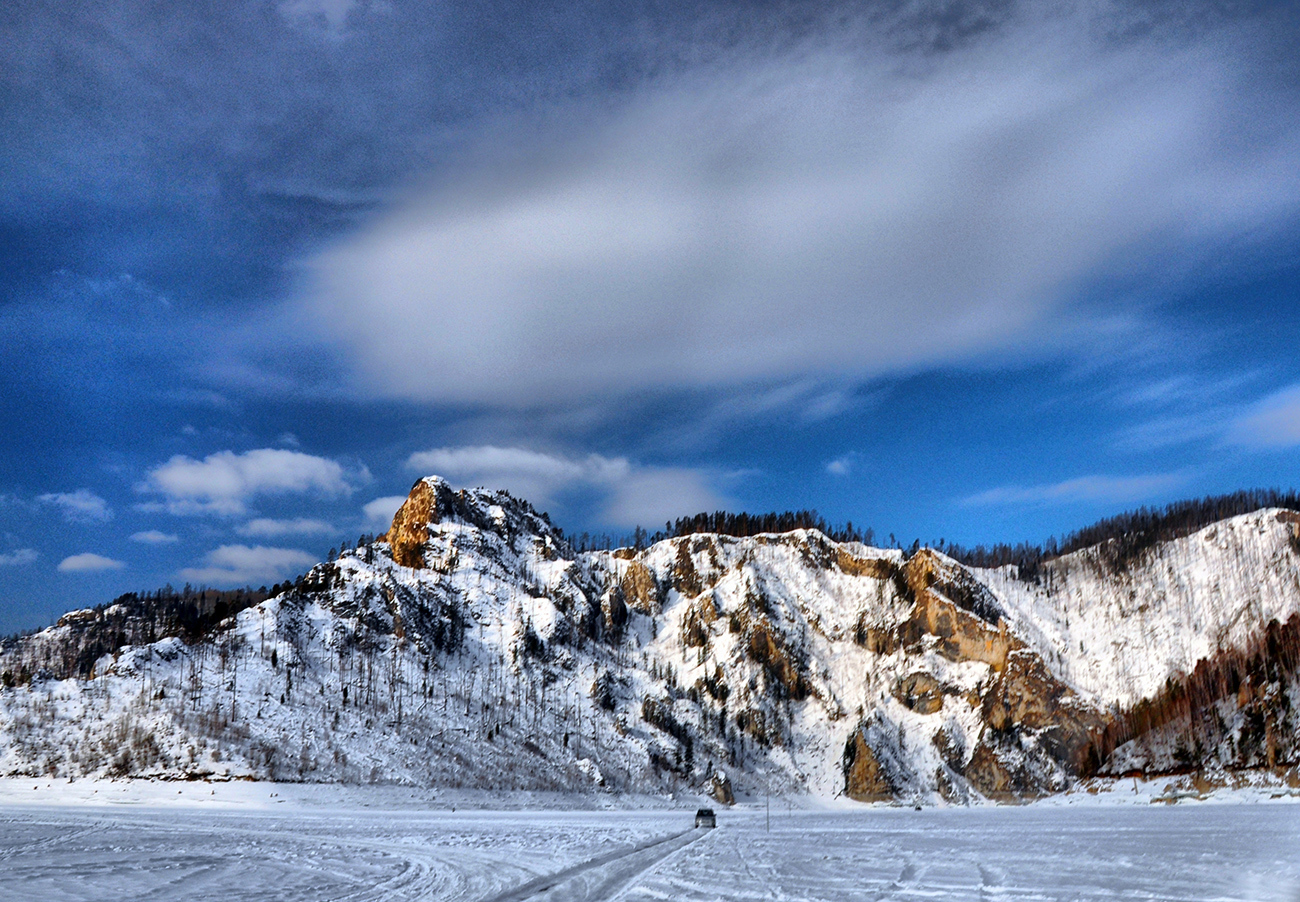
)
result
[(705, 818)]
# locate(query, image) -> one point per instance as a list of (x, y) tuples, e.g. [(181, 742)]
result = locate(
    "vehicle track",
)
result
[(51, 841), (424, 874), (602, 877), (416, 872)]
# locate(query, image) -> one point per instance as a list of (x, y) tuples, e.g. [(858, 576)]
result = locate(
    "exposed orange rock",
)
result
[(864, 779), (698, 617), (921, 692), (962, 636), (992, 778), (686, 579), (1025, 695), (410, 530), (875, 639), (767, 648), (641, 589), (876, 568)]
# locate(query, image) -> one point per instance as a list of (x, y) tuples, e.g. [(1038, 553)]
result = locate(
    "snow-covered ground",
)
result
[(180, 841)]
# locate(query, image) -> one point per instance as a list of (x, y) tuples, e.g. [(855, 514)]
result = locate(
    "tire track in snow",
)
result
[(600, 878), (413, 871), (50, 841), (423, 873), (632, 882)]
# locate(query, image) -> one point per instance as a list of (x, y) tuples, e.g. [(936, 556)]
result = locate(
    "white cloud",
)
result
[(381, 510), (841, 466), (786, 217), (529, 474), (81, 506), (1171, 431), (242, 565), (1272, 423), (648, 496), (632, 494), (18, 557), (222, 483), (154, 537), (328, 17), (301, 526), (88, 563), (1116, 489)]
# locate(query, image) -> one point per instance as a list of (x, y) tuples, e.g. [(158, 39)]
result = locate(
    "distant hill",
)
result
[(472, 645)]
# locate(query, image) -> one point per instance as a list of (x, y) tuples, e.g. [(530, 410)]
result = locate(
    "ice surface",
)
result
[(103, 840)]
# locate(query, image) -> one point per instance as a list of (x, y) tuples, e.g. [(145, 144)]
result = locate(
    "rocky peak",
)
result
[(473, 631), (433, 502)]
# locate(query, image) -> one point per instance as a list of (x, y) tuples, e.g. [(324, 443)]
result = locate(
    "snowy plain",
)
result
[(141, 840)]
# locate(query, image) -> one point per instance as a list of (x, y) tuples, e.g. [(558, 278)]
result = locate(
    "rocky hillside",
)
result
[(472, 646)]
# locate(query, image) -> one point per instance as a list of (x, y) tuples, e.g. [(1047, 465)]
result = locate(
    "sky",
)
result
[(971, 271)]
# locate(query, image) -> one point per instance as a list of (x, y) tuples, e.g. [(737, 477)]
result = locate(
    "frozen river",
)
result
[(317, 848)]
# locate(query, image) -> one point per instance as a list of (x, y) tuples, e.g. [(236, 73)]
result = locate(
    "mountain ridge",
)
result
[(471, 645)]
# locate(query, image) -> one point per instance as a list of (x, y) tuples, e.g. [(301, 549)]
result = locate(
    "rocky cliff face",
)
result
[(471, 645)]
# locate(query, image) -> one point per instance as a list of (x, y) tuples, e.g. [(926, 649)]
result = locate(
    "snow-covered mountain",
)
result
[(471, 646)]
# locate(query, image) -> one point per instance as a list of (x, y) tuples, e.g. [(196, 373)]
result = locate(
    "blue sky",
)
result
[(974, 271)]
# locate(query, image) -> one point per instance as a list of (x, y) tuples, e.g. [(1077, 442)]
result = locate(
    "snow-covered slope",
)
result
[(1119, 634), (472, 646)]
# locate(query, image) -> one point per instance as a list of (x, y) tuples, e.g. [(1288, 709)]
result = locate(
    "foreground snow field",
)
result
[(105, 840)]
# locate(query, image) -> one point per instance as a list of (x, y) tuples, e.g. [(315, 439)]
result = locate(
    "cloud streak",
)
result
[(81, 506), (88, 562), (811, 213), (154, 537), (629, 494), (232, 565), (18, 557), (1271, 423), (267, 528), (224, 482), (381, 510), (1116, 489)]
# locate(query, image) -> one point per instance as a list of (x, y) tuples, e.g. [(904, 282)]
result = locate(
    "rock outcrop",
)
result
[(411, 524), (471, 645)]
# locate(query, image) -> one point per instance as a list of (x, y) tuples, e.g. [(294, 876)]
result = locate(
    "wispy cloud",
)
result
[(154, 537), (81, 506), (223, 483), (841, 466), (381, 510), (242, 565), (1273, 422), (822, 211), (88, 562), (632, 494), (1117, 489), (18, 557), (267, 528), (325, 18)]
